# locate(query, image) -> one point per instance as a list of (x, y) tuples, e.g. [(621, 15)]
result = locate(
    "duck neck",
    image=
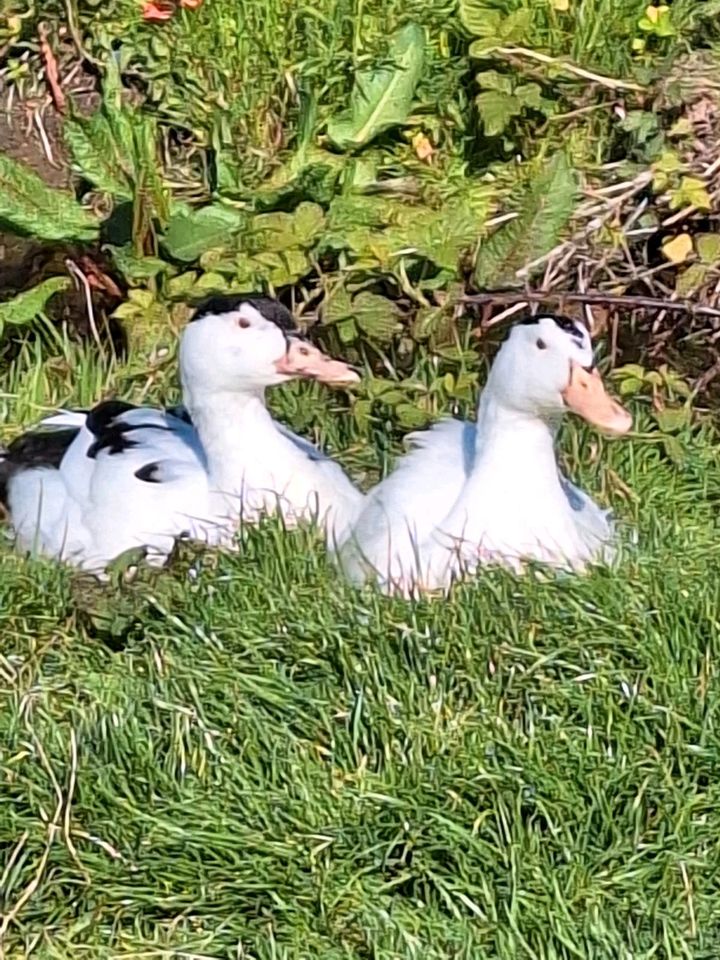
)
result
[(518, 447), (230, 426)]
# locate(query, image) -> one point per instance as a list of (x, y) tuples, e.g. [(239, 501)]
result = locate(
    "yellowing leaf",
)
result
[(422, 147), (708, 247), (691, 192), (691, 279), (679, 248), (560, 5)]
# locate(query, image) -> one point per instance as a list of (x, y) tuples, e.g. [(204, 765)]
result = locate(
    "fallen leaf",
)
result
[(422, 147), (678, 249)]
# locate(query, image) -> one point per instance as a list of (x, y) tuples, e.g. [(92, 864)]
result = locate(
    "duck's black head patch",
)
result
[(571, 327), (271, 309)]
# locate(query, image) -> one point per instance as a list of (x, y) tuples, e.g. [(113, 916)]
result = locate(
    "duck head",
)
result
[(546, 367), (251, 342)]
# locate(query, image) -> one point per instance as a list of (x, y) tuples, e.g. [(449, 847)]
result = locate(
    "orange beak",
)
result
[(302, 359), (586, 396)]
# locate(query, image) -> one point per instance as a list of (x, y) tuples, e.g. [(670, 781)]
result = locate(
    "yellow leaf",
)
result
[(679, 248), (652, 13), (560, 5), (422, 146)]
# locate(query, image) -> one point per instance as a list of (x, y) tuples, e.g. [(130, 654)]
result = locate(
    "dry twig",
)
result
[(52, 76), (560, 297)]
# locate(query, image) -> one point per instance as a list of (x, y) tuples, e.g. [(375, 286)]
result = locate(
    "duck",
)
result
[(470, 494), (87, 486)]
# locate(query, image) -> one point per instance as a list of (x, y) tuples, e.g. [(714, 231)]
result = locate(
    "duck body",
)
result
[(136, 476), (471, 494)]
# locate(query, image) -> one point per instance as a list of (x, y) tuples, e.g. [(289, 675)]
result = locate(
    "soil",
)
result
[(24, 261)]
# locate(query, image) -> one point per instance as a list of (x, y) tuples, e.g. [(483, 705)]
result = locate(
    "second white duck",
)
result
[(491, 491), (88, 486)]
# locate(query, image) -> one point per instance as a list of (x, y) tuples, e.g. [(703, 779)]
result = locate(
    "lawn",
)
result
[(242, 756)]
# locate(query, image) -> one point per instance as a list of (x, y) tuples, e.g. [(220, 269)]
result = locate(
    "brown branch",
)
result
[(52, 77), (560, 297)]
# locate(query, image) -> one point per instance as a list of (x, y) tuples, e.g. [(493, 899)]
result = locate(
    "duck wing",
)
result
[(88, 485), (404, 508)]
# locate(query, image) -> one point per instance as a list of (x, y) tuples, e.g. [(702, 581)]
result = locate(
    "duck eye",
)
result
[(540, 344), (243, 323)]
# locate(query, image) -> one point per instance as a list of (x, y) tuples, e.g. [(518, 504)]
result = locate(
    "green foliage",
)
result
[(382, 96), (116, 150), (27, 204), (25, 307), (191, 233), (502, 100), (546, 208)]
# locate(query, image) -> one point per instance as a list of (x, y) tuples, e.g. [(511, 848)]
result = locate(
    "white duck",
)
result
[(491, 491), (89, 486)]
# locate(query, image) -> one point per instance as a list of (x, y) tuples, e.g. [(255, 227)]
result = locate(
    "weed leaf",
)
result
[(548, 204), (382, 96), (24, 307), (191, 232), (97, 156), (29, 205)]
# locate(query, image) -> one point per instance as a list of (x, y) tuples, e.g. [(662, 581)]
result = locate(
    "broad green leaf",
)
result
[(134, 267), (179, 287), (316, 182), (492, 28), (278, 268), (411, 417), (277, 232), (492, 80), (382, 96), (497, 110), (548, 205), (377, 317), (642, 124), (630, 386), (479, 18), (308, 222), (530, 95), (273, 233), (97, 157), (629, 370), (24, 307), (146, 322), (29, 205), (673, 419), (191, 232)]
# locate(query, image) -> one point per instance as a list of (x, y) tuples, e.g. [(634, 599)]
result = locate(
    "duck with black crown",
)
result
[(87, 486)]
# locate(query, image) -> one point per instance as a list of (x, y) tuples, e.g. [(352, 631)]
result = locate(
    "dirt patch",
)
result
[(31, 132)]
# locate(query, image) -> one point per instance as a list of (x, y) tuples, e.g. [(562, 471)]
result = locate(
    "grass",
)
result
[(243, 757)]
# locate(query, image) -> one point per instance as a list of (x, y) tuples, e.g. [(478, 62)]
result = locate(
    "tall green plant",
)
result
[(116, 150)]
